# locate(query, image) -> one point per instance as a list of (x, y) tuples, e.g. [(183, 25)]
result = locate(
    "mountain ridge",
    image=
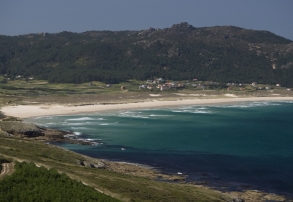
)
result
[(181, 52)]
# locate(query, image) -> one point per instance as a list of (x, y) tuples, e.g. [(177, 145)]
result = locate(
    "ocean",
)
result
[(236, 146)]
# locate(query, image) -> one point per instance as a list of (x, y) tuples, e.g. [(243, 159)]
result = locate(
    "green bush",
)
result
[(32, 183)]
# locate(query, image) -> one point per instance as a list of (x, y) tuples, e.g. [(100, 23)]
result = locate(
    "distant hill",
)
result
[(182, 52)]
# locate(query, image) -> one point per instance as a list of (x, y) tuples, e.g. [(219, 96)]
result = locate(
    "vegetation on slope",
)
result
[(30, 183), (226, 54), (119, 185)]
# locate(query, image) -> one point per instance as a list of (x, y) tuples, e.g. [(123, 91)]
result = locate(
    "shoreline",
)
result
[(30, 111), (35, 110)]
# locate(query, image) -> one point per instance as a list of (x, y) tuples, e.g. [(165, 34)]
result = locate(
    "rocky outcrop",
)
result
[(183, 27), (32, 131), (21, 129), (92, 164), (237, 199)]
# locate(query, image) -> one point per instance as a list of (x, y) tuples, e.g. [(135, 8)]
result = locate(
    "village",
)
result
[(163, 85)]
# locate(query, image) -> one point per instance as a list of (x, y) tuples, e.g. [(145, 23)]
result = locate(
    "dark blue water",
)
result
[(237, 146)]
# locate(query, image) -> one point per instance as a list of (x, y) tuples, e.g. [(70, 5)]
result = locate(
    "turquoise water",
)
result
[(243, 145)]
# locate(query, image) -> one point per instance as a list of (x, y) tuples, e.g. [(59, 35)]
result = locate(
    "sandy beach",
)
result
[(28, 111)]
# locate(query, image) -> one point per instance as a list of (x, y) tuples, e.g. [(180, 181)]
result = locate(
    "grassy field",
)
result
[(121, 186), (24, 91)]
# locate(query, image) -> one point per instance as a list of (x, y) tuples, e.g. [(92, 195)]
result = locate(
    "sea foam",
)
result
[(248, 104), (85, 119)]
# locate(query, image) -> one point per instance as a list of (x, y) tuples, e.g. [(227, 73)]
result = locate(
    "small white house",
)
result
[(160, 80), (254, 84), (141, 87)]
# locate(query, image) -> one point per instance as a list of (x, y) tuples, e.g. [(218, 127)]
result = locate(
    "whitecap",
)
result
[(202, 108), (132, 115), (90, 140), (196, 111), (201, 112), (248, 104), (77, 133), (142, 117), (159, 115), (78, 124), (72, 124), (177, 111), (286, 101), (81, 119), (78, 128)]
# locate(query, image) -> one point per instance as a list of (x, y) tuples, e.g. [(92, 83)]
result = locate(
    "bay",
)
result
[(234, 146)]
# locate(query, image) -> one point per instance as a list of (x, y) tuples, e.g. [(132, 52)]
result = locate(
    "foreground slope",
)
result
[(31, 183), (121, 186)]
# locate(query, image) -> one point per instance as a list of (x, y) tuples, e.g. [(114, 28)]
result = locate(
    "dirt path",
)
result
[(7, 168)]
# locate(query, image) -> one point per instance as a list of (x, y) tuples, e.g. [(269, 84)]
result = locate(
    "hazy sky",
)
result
[(33, 16)]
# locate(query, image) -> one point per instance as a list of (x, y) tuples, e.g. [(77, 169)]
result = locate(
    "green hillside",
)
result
[(30, 183), (222, 53)]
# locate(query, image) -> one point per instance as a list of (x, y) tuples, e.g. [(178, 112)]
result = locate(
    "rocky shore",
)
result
[(15, 127)]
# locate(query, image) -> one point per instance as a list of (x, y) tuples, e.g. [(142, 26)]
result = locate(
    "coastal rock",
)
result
[(14, 126), (99, 165), (26, 130), (238, 200), (21, 129), (92, 164)]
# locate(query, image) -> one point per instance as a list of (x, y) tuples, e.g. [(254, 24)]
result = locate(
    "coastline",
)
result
[(30, 111)]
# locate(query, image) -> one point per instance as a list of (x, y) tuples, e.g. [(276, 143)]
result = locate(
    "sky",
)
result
[(33, 16)]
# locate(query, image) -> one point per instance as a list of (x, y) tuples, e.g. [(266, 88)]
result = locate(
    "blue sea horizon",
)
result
[(236, 146)]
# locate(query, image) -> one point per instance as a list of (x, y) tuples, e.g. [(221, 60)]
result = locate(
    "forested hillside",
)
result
[(182, 52)]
